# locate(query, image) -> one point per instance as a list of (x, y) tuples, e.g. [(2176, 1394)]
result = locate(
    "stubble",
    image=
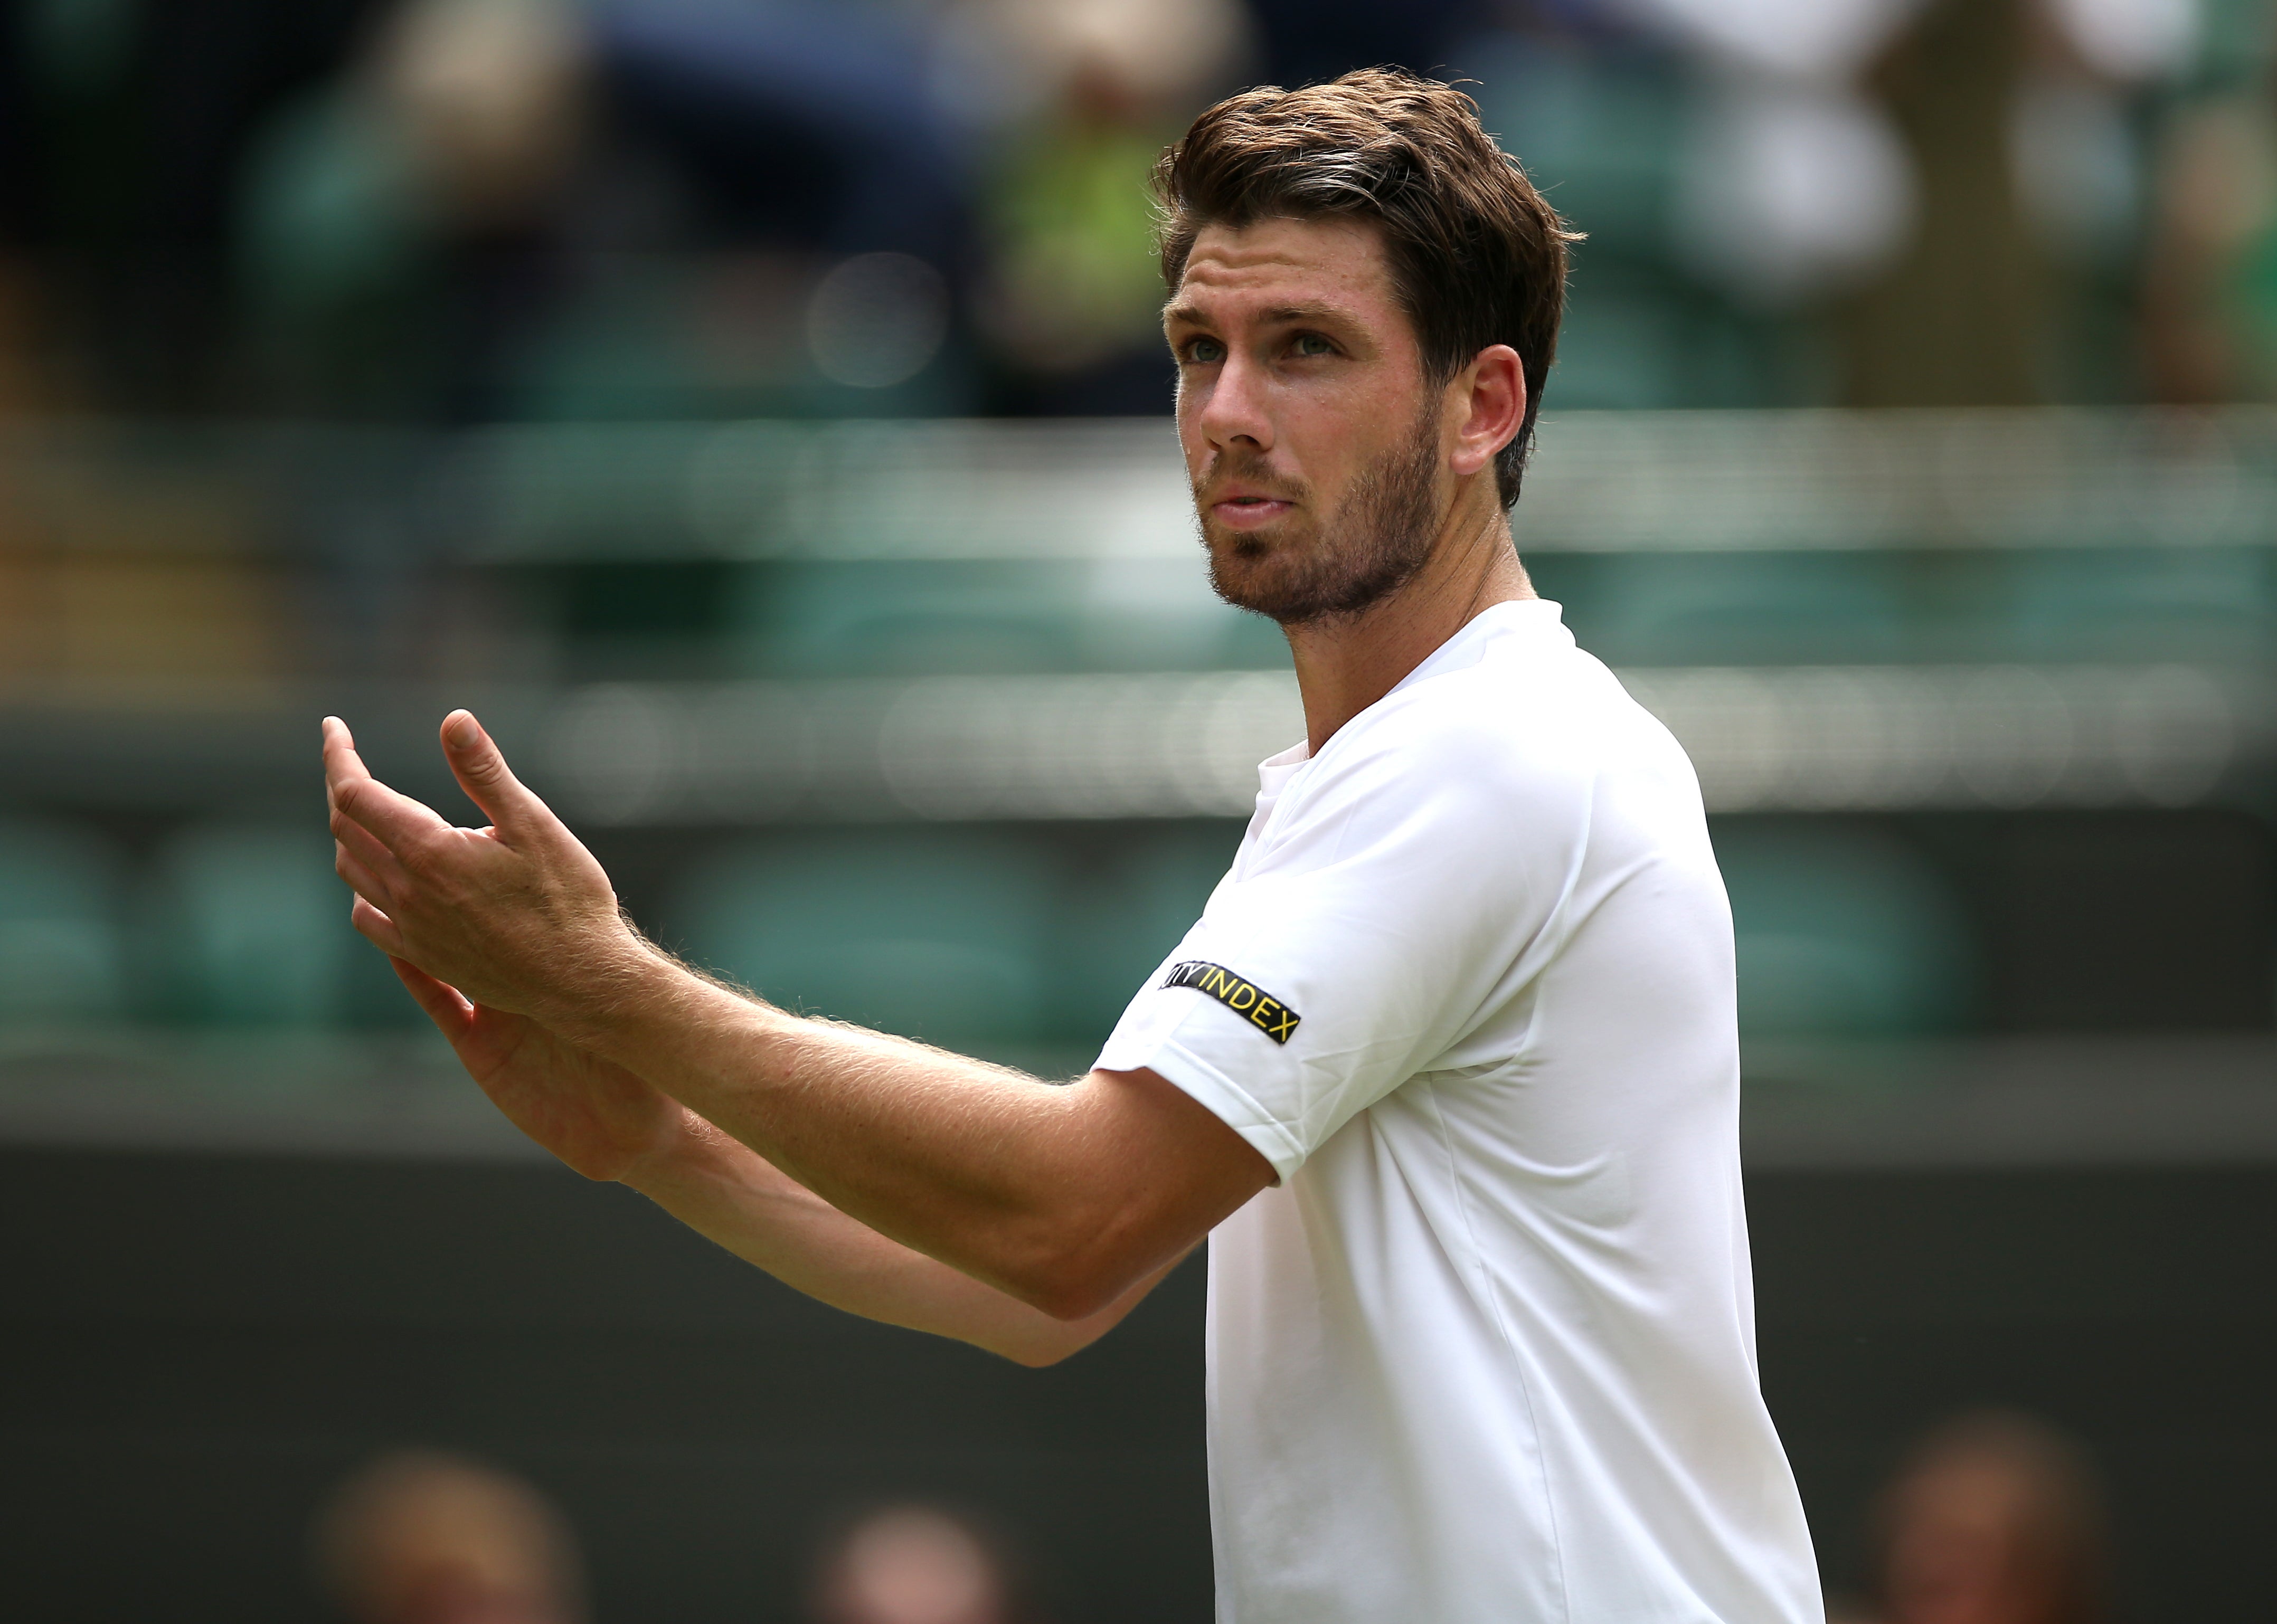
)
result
[(1341, 564)]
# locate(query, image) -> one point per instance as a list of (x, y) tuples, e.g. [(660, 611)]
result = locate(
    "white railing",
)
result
[(1812, 737)]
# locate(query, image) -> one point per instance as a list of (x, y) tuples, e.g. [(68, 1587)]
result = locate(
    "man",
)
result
[(422, 1538), (1447, 1070)]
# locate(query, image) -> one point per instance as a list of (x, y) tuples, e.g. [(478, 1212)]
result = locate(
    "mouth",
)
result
[(1248, 511)]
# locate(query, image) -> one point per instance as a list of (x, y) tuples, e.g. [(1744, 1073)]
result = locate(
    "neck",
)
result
[(1345, 665)]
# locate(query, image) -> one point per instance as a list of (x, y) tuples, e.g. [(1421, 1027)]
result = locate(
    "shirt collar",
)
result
[(1519, 618)]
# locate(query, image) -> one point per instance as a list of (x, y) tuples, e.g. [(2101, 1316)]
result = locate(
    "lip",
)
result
[(1247, 510)]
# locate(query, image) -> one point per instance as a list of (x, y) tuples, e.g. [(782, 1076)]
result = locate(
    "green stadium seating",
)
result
[(1127, 913), (905, 618), (61, 950), (940, 934), (1747, 608), (909, 617), (1843, 932), (2132, 604), (251, 925)]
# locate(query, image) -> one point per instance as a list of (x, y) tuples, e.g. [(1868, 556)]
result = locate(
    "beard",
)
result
[(1343, 561)]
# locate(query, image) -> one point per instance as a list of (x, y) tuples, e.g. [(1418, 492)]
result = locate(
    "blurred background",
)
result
[(754, 409)]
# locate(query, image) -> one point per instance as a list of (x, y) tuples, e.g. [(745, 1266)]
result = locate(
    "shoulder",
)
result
[(1527, 722), (1489, 756)]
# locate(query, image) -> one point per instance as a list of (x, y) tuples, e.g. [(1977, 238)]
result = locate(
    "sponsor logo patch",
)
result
[(1269, 1016)]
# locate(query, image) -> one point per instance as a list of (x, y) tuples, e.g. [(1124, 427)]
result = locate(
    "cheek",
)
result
[(1332, 431), (1191, 399)]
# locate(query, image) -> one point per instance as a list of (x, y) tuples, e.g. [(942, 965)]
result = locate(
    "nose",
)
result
[(1230, 407)]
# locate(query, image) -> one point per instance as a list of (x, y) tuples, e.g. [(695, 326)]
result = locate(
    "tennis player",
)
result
[(1447, 1070)]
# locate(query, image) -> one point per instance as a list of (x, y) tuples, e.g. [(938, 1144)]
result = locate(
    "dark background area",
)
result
[(198, 1347)]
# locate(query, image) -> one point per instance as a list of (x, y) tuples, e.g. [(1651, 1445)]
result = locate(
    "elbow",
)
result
[(1042, 1355), (1072, 1312), (1071, 1282), (1073, 1293), (1069, 1314), (1079, 1265)]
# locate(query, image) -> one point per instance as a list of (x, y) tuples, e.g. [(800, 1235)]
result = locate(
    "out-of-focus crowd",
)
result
[(457, 209), (422, 1537), (1992, 1518)]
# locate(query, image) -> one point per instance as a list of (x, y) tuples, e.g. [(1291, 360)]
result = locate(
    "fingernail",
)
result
[(460, 730)]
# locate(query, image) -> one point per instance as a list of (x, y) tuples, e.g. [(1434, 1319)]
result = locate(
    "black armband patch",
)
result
[(1268, 1016)]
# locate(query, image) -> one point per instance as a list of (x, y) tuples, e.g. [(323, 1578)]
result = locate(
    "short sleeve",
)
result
[(1400, 892)]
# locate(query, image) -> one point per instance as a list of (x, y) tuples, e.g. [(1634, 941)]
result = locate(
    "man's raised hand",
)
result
[(598, 1116), (518, 916)]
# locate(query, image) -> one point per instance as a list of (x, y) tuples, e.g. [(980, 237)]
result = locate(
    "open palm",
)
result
[(594, 1114)]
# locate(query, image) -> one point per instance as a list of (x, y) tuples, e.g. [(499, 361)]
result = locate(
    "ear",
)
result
[(1486, 400)]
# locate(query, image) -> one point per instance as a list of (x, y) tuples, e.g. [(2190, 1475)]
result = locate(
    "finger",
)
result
[(481, 768), (342, 764), (354, 842), (375, 928), (394, 818), (360, 879), (446, 1006)]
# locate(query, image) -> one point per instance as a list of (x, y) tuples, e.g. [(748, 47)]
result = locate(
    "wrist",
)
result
[(615, 983), (685, 1149), (644, 1008)]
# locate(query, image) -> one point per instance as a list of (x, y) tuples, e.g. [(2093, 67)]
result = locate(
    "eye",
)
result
[(1205, 352), (1313, 344)]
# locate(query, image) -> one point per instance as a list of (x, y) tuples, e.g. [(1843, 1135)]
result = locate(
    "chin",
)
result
[(1251, 578), (1286, 535)]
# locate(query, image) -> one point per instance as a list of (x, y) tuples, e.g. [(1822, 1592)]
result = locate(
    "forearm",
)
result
[(1066, 1198), (1023, 1185), (734, 1196)]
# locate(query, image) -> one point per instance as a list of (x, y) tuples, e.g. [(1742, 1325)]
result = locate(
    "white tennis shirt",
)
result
[(1485, 1355)]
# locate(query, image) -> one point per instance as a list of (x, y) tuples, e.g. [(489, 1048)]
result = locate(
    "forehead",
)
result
[(1288, 262)]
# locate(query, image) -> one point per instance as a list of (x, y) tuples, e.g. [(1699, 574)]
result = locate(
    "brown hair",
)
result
[(1478, 256)]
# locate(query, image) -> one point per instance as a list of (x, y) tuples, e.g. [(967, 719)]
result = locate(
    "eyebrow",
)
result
[(1310, 310)]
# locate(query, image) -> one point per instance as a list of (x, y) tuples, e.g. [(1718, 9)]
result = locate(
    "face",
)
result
[(1316, 450), (1960, 1551), (462, 1596), (915, 1567)]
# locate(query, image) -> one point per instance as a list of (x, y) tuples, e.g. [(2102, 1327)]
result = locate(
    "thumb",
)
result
[(480, 767)]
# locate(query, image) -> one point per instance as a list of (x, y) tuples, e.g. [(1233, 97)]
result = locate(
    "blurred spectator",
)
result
[(2210, 305), (2021, 117), (1959, 185), (394, 223), (916, 1565), (1732, 175), (542, 209), (1995, 1519), (2209, 310), (1797, 184), (2099, 78), (818, 179), (122, 131), (1959, 317), (613, 208), (1087, 93), (1300, 40), (804, 124), (423, 1538)]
